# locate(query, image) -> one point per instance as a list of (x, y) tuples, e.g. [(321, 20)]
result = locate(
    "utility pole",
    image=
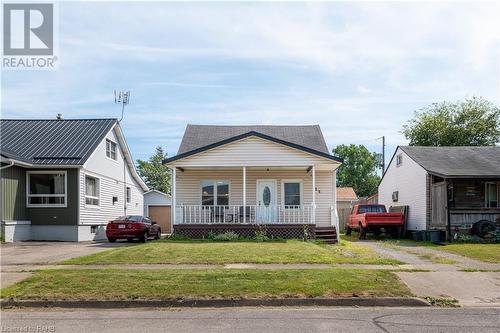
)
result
[(383, 153), (123, 98)]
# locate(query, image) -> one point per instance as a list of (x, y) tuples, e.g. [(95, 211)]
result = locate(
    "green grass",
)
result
[(483, 252), (122, 284), (202, 252)]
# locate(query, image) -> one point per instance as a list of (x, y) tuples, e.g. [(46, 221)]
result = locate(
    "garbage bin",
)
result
[(435, 236), (417, 236)]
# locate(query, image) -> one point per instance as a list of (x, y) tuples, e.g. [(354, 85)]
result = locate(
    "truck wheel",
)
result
[(348, 230), (362, 232), (396, 232)]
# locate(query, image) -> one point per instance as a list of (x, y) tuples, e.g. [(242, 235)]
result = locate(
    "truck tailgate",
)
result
[(384, 218)]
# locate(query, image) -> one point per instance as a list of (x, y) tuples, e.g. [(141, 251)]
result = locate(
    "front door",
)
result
[(266, 201)]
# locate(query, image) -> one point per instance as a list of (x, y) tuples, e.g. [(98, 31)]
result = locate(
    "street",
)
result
[(256, 320)]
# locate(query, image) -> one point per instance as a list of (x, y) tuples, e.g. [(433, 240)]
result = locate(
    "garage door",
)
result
[(161, 215)]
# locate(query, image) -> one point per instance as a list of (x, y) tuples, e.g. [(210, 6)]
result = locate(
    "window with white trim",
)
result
[(214, 192), (111, 149), (129, 195), (491, 194), (46, 188), (292, 193), (91, 191), (399, 160)]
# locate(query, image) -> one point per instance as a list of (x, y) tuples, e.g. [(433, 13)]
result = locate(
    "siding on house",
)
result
[(58, 215), (110, 175), (189, 186), (253, 151), (13, 193), (409, 179)]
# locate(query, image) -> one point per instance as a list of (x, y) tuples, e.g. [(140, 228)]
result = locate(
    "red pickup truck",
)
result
[(373, 218)]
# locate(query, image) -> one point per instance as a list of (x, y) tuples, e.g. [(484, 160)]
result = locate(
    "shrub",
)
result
[(227, 236)]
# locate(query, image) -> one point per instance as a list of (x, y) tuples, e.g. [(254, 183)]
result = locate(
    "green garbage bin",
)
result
[(417, 236), (435, 236)]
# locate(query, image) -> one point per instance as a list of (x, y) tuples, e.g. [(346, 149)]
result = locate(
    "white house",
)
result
[(65, 179), (241, 178)]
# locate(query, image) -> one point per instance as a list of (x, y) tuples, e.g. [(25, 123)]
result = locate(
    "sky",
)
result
[(359, 69)]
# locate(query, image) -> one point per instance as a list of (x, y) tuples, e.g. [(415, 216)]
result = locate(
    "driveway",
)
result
[(19, 259), (473, 288)]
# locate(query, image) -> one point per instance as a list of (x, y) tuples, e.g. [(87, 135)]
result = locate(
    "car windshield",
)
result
[(371, 209), (133, 218)]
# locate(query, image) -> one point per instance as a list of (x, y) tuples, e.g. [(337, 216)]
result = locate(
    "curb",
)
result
[(219, 303)]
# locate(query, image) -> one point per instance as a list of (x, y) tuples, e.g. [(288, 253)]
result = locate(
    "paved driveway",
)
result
[(19, 259)]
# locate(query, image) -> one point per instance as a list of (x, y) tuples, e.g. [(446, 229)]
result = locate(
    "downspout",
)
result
[(7, 166), (448, 222)]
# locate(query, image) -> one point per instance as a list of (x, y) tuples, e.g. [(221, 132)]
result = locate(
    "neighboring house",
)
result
[(245, 178), (420, 176), (65, 179), (157, 205), (346, 197)]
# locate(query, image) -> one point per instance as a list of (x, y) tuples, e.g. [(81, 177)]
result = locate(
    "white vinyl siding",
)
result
[(252, 151), (409, 180), (189, 183)]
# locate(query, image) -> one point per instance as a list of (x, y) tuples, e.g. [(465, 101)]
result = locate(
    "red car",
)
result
[(131, 227)]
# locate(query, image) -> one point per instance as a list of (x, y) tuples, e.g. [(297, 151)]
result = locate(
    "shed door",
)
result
[(438, 208), (161, 215)]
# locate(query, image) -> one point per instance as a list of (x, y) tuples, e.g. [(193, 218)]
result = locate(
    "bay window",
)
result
[(215, 192), (46, 188), (91, 191)]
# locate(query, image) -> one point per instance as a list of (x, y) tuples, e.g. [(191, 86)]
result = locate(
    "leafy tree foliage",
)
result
[(472, 122), (358, 170), (155, 174)]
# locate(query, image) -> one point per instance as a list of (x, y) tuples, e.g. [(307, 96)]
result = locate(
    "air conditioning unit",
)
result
[(395, 196)]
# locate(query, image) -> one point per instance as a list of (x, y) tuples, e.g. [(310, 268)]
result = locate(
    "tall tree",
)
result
[(155, 174), (358, 170), (472, 122)]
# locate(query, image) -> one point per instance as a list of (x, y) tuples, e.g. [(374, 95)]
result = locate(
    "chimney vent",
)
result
[(59, 116)]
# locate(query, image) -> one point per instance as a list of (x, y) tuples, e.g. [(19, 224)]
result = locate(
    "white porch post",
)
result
[(244, 194), (174, 173), (313, 194), (335, 216)]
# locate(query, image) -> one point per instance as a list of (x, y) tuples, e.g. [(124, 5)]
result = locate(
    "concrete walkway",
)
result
[(481, 289)]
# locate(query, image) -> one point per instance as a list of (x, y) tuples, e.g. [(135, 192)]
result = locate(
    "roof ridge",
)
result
[(69, 119)]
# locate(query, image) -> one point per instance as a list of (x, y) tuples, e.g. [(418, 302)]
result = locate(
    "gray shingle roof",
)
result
[(52, 142), (198, 136), (457, 161)]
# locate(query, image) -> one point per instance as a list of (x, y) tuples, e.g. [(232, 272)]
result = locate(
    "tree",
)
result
[(155, 174), (472, 122), (358, 170)]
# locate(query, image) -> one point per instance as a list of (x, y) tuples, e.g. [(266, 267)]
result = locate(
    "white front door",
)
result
[(266, 201)]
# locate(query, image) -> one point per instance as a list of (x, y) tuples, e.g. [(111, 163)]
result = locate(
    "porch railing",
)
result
[(252, 214)]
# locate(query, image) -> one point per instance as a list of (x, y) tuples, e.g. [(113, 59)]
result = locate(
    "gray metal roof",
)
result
[(52, 142), (198, 136), (457, 161)]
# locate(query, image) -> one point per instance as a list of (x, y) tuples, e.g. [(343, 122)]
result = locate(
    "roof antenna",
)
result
[(123, 98), (59, 116)]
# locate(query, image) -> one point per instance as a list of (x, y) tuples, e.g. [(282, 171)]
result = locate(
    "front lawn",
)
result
[(203, 252), (483, 252), (122, 284)]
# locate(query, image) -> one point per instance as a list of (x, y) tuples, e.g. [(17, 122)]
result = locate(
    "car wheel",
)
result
[(348, 230), (144, 237), (112, 240), (158, 234)]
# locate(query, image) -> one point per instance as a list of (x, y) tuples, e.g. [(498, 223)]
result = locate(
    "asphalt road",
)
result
[(255, 320)]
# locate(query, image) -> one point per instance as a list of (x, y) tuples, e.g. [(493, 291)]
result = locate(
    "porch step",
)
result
[(327, 234)]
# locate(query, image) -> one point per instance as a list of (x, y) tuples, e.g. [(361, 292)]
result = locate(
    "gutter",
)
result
[(7, 166)]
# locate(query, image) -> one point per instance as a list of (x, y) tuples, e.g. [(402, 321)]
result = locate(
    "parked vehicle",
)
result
[(374, 218), (131, 227)]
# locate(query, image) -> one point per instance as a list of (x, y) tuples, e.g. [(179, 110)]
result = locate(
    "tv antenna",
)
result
[(123, 98), (383, 153)]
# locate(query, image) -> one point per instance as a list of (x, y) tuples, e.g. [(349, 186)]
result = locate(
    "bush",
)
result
[(227, 236), (261, 236)]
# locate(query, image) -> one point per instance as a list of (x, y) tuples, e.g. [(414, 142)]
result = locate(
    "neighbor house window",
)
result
[(292, 192), (399, 159), (491, 195), (111, 149), (46, 188), (215, 192), (129, 195), (91, 191)]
